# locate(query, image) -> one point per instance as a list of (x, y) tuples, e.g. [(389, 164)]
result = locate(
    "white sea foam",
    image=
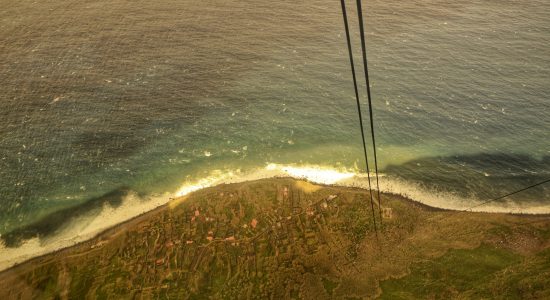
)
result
[(81, 229), (86, 227)]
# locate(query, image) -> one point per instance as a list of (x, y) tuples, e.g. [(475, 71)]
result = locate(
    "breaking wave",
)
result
[(86, 226)]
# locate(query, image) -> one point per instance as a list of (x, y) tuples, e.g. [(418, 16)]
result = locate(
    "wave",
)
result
[(122, 205)]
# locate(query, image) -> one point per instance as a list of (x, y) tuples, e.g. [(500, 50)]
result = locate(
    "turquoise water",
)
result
[(115, 95)]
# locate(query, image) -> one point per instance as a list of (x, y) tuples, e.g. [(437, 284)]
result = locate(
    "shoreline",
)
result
[(112, 231), (252, 237)]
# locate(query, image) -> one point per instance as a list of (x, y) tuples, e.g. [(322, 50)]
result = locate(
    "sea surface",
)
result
[(106, 101)]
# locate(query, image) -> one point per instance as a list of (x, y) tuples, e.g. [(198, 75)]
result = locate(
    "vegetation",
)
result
[(285, 239), (455, 273)]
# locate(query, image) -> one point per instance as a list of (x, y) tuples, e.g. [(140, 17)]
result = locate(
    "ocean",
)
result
[(106, 101)]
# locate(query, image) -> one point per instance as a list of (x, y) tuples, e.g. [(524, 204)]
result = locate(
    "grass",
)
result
[(329, 285), (528, 280), (512, 262), (459, 271)]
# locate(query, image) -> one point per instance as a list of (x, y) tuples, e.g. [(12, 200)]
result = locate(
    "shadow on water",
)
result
[(53, 222), (482, 176)]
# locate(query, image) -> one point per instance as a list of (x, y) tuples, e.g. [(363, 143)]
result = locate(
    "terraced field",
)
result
[(288, 239)]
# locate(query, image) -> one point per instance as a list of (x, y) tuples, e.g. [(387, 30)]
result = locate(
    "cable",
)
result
[(543, 219), (510, 194), (495, 199), (369, 97), (344, 14)]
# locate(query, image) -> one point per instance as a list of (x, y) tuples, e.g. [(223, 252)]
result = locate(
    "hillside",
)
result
[(288, 239)]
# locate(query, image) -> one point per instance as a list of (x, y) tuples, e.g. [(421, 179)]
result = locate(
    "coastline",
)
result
[(116, 229), (251, 227)]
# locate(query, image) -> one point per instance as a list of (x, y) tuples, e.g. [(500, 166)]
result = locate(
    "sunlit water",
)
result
[(151, 99)]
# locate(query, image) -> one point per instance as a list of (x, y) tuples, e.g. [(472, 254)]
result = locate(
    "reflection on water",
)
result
[(148, 95)]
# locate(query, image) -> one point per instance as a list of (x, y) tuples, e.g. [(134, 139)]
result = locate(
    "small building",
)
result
[(387, 213)]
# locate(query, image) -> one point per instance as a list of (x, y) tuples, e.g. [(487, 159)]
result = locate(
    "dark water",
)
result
[(145, 95)]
